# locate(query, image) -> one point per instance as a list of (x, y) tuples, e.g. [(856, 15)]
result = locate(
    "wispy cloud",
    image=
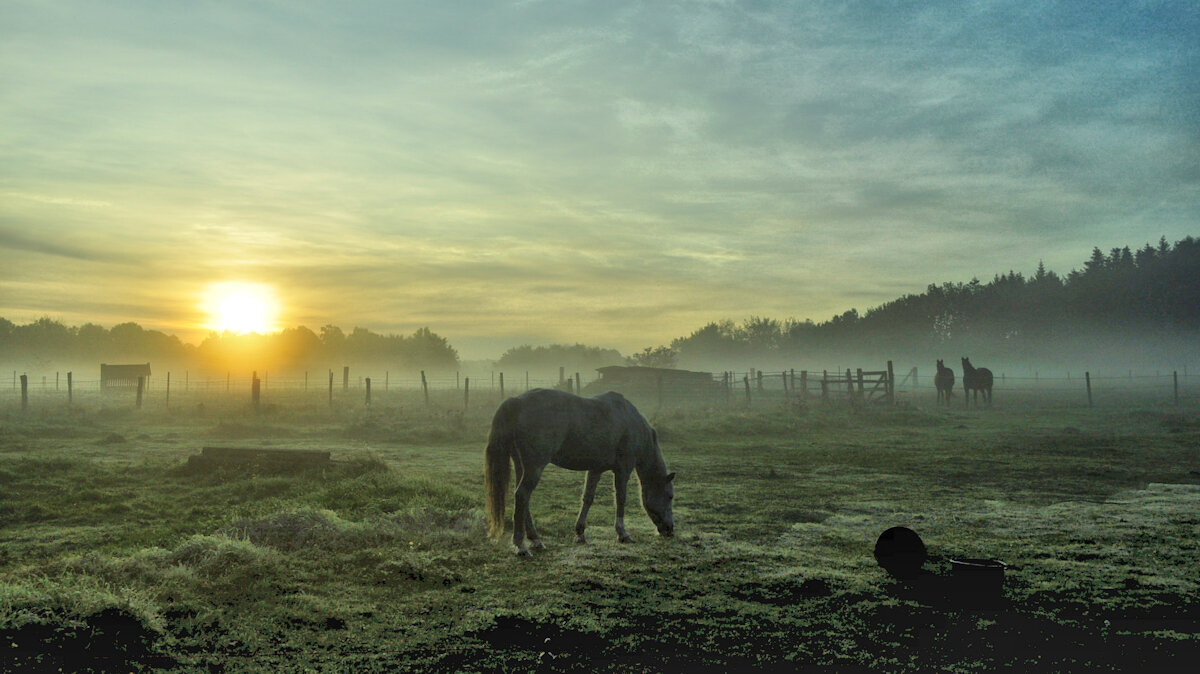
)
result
[(622, 171)]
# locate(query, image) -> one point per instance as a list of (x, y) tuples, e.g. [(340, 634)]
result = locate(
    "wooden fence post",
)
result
[(141, 388), (466, 393), (728, 382), (746, 381), (1087, 377), (561, 374), (331, 388), (759, 377), (168, 403), (368, 380), (345, 377), (824, 384), (891, 384), (255, 389), (850, 383), (787, 397), (24, 392), (502, 386), (578, 385), (70, 392), (425, 387)]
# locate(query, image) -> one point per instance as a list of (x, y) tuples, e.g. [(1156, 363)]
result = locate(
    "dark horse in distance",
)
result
[(978, 380), (944, 381), (597, 434)]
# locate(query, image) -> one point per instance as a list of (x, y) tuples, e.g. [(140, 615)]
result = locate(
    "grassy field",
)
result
[(117, 555)]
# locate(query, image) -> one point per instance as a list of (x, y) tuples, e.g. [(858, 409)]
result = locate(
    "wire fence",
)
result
[(1081, 389), (750, 387)]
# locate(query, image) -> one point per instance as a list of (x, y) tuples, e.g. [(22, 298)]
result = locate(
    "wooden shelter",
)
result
[(658, 384), (122, 376)]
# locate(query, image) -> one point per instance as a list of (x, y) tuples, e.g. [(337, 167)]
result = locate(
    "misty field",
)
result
[(117, 554)]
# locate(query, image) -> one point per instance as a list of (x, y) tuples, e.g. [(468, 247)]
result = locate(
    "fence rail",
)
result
[(748, 387)]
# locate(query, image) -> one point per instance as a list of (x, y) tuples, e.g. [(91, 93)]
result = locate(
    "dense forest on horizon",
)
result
[(1126, 304), (1135, 301)]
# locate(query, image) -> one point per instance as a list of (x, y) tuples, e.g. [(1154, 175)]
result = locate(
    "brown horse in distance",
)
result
[(944, 381), (977, 380)]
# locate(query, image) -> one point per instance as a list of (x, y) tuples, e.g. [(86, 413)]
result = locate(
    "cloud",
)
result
[(487, 166)]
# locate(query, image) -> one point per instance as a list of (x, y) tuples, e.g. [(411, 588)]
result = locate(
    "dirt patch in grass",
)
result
[(110, 640)]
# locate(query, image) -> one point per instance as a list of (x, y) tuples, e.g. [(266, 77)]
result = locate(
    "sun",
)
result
[(241, 307)]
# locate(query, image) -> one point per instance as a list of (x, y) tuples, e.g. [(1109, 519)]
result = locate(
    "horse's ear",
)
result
[(670, 476)]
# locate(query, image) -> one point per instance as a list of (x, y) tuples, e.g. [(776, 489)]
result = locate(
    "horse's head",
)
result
[(966, 363), (940, 365), (657, 494)]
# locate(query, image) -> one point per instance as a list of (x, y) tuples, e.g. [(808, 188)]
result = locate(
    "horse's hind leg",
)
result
[(589, 495), (522, 519), (535, 540)]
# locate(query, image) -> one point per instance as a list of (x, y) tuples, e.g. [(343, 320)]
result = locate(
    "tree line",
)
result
[(1128, 299), (47, 341), (1147, 298)]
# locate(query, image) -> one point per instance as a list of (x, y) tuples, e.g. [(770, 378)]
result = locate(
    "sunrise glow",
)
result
[(241, 307)]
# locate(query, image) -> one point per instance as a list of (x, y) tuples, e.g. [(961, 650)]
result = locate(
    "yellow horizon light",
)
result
[(241, 307)]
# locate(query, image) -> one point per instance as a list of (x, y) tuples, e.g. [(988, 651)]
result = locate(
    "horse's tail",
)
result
[(496, 466)]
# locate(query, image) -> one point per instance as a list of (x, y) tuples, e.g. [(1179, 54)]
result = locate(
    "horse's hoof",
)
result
[(524, 552), (581, 539), (536, 544), (625, 539)]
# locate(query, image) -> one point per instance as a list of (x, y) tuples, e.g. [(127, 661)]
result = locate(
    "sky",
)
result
[(610, 173)]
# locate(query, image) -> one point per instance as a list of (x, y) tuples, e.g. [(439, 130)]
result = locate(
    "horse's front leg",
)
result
[(589, 494), (621, 486)]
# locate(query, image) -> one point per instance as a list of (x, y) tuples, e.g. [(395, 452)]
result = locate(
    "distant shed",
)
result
[(122, 376), (652, 382)]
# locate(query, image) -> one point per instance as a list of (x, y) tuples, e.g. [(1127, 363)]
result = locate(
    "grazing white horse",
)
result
[(597, 434)]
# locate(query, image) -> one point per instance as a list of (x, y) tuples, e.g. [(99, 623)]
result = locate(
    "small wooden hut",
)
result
[(658, 384), (122, 376)]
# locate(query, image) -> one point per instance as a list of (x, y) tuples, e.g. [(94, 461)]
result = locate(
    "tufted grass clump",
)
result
[(292, 529)]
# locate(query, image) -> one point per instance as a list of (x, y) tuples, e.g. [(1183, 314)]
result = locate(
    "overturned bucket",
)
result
[(978, 578)]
